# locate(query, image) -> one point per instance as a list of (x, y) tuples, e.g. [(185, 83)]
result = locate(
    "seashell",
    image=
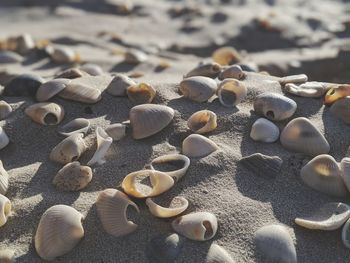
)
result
[(232, 72), (175, 165), (300, 135), (301, 78), (25, 43), (71, 73), (198, 88), (69, 149), (64, 55), (177, 206), (60, 229), (164, 248), (274, 106), (336, 92), (141, 93), (149, 119), (45, 113), (345, 234), (135, 56), (23, 85), (275, 244), (226, 56), (4, 140), (198, 226), (7, 255), (196, 145), (7, 57), (92, 69), (264, 130), (249, 67), (4, 179), (341, 109), (330, 216), (5, 109), (134, 183), (80, 93), (263, 165), (231, 92), (78, 125), (73, 177), (323, 174), (117, 131), (210, 70), (202, 121), (217, 254), (345, 171), (111, 208), (103, 144), (5, 209), (119, 84), (50, 88), (312, 89)]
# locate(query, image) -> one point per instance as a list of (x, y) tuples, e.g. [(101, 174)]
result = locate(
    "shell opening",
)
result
[(270, 114), (228, 97), (168, 166), (331, 92), (50, 119), (208, 229)]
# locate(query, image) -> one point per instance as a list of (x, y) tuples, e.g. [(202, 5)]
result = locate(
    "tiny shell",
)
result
[(5, 209), (7, 255), (341, 109), (345, 234), (64, 55), (45, 113), (117, 131), (172, 162), (5, 109), (196, 145), (234, 72), (141, 93), (92, 69), (134, 56), (263, 165), (231, 92), (7, 57), (336, 92), (198, 88), (226, 56), (78, 125), (217, 254), (80, 93), (295, 79), (312, 89), (4, 179), (345, 171), (210, 70), (119, 84), (71, 73), (23, 85), (4, 140), (264, 130), (103, 144), (50, 88), (177, 206), (203, 121)]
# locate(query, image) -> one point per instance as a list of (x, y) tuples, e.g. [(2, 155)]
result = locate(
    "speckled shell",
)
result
[(336, 92), (45, 113), (81, 93), (264, 130), (172, 160), (177, 206), (203, 121), (4, 140), (341, 109), (5, 109), (50, 88), (217, 254), (231, 92), (78, 125), (119, 84), (141, 93), (5, 209), (196, 145), (103, 144), (210, 70), (234, 71), (198, 88), (4, 179)]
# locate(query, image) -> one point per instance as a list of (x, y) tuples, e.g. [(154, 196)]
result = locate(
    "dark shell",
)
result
[(23, 85), (263, 165), (71, 73)]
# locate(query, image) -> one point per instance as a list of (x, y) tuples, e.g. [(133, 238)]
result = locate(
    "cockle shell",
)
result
[(23, 85), (275, 244), (149, 119), (5, 209), (7, 255), (4, 140), (119, 84), (330, 216), (73, 177), (141, 93), (175, 165), (217, 254), (177, 206), (50, 88), (69, 149), (60, 229), (80, 93), (199, 226), (264, 130), (117, 131), (71, 73), (312, 89), (198, 88), (5, 109), (345, 171), (92, 69), (323, 174), (234, 72), (196, 145), (341, 109), (4, 179), (300, 78), (336, 92), (345, 234), (274, 106), (134, 184), (226, 56), (202, 121), (231, 92), (103, 144), (63, 55), (78, 125), (300, 135), (45, 113), (7, 57), (111, 208), (210, 70), (263, 165)]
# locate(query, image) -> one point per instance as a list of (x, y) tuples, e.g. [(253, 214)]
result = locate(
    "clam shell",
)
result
[(117, 131), (341, 109), (164, 248), (92, 69), (210, 70), (23, 85), (64, 55), (202, 121), (149, 119), (69, 149), (231, 92), (336, 92), (345, 234), (5, 109), (7, 255), (198, 88), (345, 171), (226, 56), (78, 125), (80, 93), (234, 72), (312, 89), (71, 73), (4, 179), (111, 208), (264, 130), (275, 244), (103, 144), (119, 84), (50, 88), (4, 140), (73, 177), (7, 57), (45, 113), (141, 93), (330, 216), (217, 254), (300, 135), (323, 174), (134, 56), (175, 165), (263, 165), (196, 145), (274, 106), (5, 209), (198, 226), (300, 78), (60, 229), (177, 206)]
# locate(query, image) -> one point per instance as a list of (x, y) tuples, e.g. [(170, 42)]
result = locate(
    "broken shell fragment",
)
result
[(7, 255), (210, 70), (232, 72), (112, 206), (5, 109), (73, 177), (196, 145), (63, 55), (4, 179), (312, 89), (45, 113), (78, 125), (330, 216), (341, 109), (217, 254), (263, 165), (119, 85), (5, 209), (301, 78), (203, 121), (4, 139), (345, 234), (264, 130), (198, 226), (60, 229), (175, 165), (103, 144), (117, 131), (141, 93), (23, 85), (135, 56), (50, 88), (92, 69), (226, 56), (345, 171), (336, 92), (80, 93), (7, 57), (198, 88), (177, 206), (231, 92)]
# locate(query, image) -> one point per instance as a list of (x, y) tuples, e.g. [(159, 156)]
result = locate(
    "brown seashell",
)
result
[(50, 88), (226, 56), (197, 146), (5, 109), (336, 92), (198, 88), (210, 70), (141, 93), (203, 121), (341, 109), (80, 93), (231, 92), (45, 113), (119, 85), (232, 72), (177, 206)]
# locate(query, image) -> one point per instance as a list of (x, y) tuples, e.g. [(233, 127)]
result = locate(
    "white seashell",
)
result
[(79, 125), (141, 93), (217, 254), (202, 121), (345, 171), (5, 109), (4, 140), (4, 179), (341, 109), (345, 234), (198, 88), (330, 216), (103, 144), (171, 163), (92, 69), (119, 84), (177, 206), (50, 88), (69, 149), (45, 113), (312, 89), (111, 208), (117, 131), (60, 229), (198, 226), (210, 70), (63, 55), (234, 72), (196, 145), (7, 255), (7, 57), (264, 130), (133, 184), (81, 93), (336, 92), (301, 78), (135, 56), (5, 209), (231, 92)]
